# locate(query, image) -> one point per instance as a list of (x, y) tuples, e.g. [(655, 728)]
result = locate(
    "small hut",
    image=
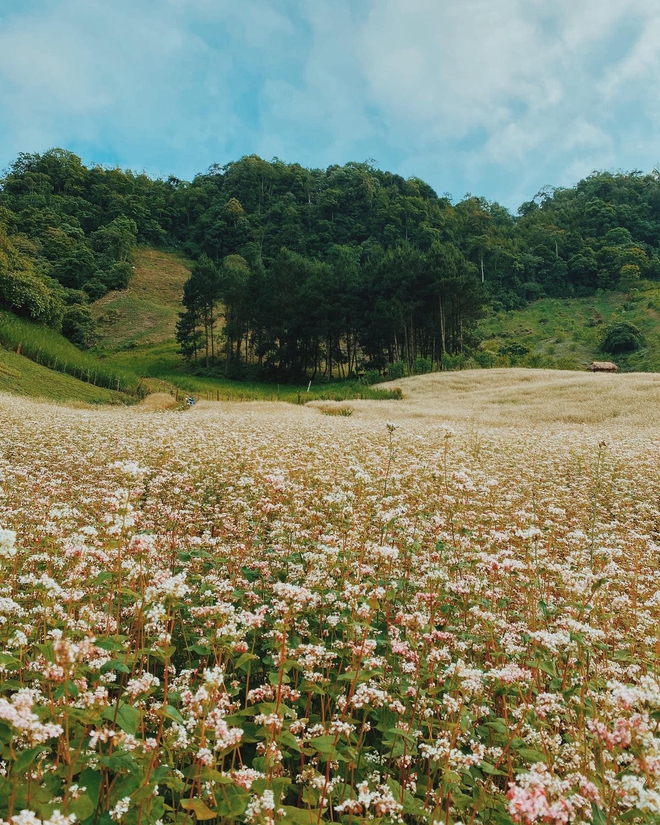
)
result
[(602, 366)]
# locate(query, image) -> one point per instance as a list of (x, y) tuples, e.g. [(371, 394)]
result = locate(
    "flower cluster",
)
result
[(269, 616)]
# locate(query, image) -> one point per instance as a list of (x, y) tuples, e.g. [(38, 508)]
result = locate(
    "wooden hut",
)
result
[(603, 366)]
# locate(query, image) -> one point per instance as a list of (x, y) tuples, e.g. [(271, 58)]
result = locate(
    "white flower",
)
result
[(7, 543)]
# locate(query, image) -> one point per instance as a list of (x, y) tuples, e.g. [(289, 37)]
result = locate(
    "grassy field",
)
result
[(565, 333), (49, 349), (21, 376), (147, 311), (440, 610)]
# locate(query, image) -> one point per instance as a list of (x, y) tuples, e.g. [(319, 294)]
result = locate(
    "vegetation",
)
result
[(293, 617), (46, 347), (621, 337), (302, 273), (20, 376)]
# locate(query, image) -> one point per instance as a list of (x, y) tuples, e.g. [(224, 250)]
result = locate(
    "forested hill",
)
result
[(315, 267)]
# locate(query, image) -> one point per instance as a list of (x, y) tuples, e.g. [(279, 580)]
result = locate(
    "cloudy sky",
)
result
[(494, 97)]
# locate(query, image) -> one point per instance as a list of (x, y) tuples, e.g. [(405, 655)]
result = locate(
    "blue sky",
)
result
[(494, 97)]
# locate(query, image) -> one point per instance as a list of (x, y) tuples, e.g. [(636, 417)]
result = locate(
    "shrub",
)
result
[(513, 350), (79, 326), (621, 337), (422, 366), (396, 370)]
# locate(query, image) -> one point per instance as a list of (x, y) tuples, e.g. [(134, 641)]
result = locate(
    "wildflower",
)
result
[(7, 543)]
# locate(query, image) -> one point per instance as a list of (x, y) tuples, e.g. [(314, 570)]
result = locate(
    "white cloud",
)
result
[(466, 92)]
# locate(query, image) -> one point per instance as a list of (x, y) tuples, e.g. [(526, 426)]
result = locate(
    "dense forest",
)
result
[(302, 272)]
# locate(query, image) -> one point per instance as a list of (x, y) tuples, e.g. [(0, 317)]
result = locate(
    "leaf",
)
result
[(302, 816), (598, 816), (8, 659), (287, 739), (172, 713), (199, 808), (531, 755), (322, 744), (91, 780), (245, 657), (115, 664), (46, 651), (497, 725), (26, 758), (491, 770), (128, 717), (232, 801), (82, 807)]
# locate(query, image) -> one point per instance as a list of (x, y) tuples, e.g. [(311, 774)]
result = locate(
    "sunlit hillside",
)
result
[(146, 312)]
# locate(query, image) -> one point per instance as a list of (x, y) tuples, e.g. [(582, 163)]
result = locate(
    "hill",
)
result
[(21, 376), (147, 311), (527, 399), (567, 333)]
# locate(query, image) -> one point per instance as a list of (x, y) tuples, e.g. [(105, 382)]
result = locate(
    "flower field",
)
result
[(266, 614)]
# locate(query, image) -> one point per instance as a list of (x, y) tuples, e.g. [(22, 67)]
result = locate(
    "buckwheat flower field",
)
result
[(264, 614)]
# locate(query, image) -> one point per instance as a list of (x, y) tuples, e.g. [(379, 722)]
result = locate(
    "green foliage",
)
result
[(621, 337), (422, 366), (79, 326), (50, 349), (309, 272), (396, 370)]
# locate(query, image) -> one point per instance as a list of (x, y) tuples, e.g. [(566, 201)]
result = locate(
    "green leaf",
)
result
[(497, 725), (491, 770), (115, 664), (8, 659), (287, 739), (172, 713), (46, 651), (598, 816), (82, 807), (245, 657), (232, 801), (26, 758), (302, 816), (531, 755), (323, 744), (128, 717), (199, 808), (91, 780)]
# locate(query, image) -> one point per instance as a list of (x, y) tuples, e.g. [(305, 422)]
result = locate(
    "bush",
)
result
[(79, 326), (422, 366), (484, 358), (621, 337), (513, 350), (372, 377), (396, 370)]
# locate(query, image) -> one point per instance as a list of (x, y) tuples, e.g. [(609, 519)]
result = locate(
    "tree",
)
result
[(620, 337), (201, 293)]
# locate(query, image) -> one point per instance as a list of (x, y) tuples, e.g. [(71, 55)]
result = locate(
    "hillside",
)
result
[(147, 311), (21, 376), (318, 272), (531, 399), (566, 333)]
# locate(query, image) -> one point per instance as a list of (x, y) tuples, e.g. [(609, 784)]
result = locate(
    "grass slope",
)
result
[(146, 312), (566, 333), (522, 398), (20, 376)]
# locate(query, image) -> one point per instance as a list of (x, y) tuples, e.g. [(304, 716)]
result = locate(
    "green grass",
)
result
[(20, 376), (566, 333), (48, 348), (162, 363), (146, 312)]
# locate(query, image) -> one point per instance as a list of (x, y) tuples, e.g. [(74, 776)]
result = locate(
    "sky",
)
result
[(498, 98)]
